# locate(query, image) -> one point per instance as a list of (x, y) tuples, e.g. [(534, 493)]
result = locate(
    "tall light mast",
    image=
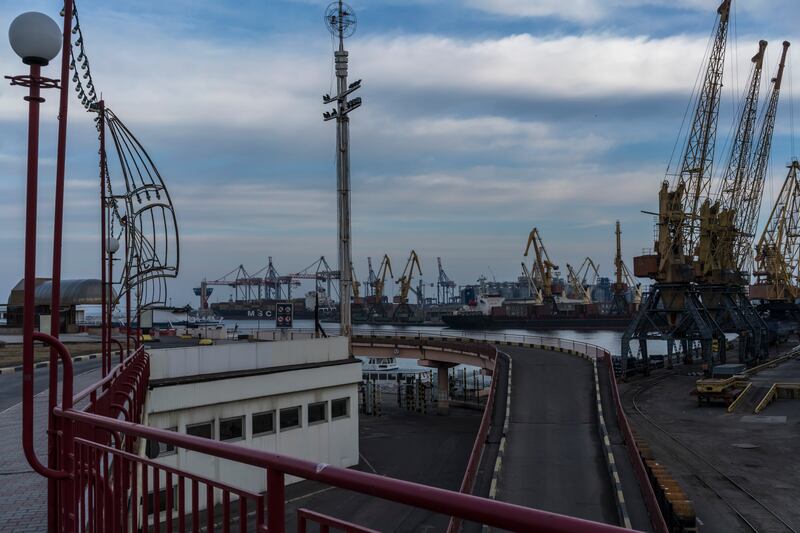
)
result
[(341, 22)]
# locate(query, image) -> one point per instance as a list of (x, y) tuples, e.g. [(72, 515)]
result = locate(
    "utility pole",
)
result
[(341, 22)]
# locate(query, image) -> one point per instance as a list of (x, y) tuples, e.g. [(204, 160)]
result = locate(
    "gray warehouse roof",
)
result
[(73, 292)]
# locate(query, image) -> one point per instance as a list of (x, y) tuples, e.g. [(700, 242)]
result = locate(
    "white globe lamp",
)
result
[(112, 245), (35, 37)]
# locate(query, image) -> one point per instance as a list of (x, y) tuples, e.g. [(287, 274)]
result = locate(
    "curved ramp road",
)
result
[(554, 458)]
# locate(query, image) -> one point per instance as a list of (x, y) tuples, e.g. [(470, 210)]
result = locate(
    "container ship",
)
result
[(264, 309), (494, 312)]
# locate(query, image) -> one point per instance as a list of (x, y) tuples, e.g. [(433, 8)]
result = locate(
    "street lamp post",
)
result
[(37, 39)]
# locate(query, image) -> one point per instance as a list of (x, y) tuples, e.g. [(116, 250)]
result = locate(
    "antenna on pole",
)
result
[(340, 20)]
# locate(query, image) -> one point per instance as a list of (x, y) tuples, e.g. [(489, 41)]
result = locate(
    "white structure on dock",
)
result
[(297, 398)]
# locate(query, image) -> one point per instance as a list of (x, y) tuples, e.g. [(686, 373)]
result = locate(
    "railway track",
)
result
[(753, 513)]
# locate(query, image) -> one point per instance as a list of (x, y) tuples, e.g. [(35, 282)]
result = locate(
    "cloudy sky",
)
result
[(481, 120)]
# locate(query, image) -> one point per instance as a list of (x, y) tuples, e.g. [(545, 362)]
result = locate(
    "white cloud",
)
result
[(591, 11), (277, 85)]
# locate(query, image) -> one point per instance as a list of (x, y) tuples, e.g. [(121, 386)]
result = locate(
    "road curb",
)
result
[(498, 464), (45, 364), (619, 496)]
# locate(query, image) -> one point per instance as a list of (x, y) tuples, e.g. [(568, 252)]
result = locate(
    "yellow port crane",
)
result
[(778, 250), (673, 310), (588, 268), (543, 267), (625, 281), (403, 312), (727, 226), (408, 275), (578, 287), (378, 285), (536, 292), (356, 285)]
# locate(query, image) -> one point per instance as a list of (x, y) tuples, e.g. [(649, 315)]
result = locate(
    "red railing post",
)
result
[(55, 295), (276, 512)]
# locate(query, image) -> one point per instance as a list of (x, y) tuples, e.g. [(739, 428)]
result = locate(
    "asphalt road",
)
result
[(554, 459), (11, 384)]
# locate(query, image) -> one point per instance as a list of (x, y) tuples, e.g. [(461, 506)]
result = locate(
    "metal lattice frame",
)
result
[(143, 216), (778, 249)]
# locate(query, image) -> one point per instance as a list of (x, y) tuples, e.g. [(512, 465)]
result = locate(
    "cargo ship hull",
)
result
[(478, 321), (265, 310)]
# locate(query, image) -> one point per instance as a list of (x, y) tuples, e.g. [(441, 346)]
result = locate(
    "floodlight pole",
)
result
[(343, 107)]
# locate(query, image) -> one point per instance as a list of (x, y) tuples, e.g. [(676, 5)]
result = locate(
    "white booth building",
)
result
[(298, 398)]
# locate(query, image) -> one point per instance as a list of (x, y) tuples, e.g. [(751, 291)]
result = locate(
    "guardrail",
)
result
[(508, 339)]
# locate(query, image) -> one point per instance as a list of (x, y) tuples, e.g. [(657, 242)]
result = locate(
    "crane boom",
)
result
[(577, 286), (356, 284), (542, 264), (720, 229), (588, 268), (380, 279), (698, 158), (748, 220), (536, 293), (679, 206), (408, 275)]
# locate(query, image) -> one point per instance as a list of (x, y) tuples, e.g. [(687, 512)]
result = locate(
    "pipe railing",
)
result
[(326, 523), (277, 466), (468, 482)]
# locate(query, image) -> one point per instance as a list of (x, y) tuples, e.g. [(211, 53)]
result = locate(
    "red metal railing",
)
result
[(165, 498), (276, 467), (326, 523), (468, 483)]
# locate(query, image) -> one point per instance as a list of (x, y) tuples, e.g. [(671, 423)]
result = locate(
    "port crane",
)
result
[(747, 215), (536, 293), (445, 287), (588, 272), (624, 282), (778, 250), (246, 286), (356, 285), (673, 309), (403, 311), (371, 278), (543, 268), (728, 225), (376, 307), (577, 285), (319, 271)]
